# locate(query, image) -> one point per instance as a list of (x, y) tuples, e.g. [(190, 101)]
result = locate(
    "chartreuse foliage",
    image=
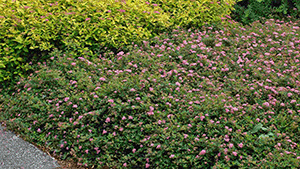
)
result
[(30, 29)]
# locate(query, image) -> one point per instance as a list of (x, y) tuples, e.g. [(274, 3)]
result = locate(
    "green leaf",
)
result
[(257, 128), (2, 65)]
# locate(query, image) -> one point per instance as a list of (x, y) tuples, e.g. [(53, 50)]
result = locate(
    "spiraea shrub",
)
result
[(31, 29), (191, 100)]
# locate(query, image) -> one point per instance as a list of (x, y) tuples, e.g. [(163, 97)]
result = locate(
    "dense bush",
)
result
[(30, 30), (196, 99), (248, 11)]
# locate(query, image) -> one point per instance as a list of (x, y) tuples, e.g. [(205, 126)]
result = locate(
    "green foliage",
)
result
[(176, 104), (248, 11), (195, 13), (31, 29)]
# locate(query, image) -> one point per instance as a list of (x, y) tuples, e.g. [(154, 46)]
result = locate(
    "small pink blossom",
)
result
[(102, 78), (202, 152), (234, 153), (171, 156), (266, 104), (202, 117)]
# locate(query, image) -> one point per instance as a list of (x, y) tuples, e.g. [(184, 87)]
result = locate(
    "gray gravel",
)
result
[(15, 153)]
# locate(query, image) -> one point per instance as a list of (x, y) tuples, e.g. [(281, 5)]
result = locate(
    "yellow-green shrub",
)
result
[(195, 13), (29, 29)]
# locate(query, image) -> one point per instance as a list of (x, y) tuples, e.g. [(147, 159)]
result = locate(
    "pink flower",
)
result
[(111, 100), (107, 120), (73, 64), (87, 151), (240, 145), (125, 164), (74, 106), (177, 83), (171, 156), (134, 150), (230, 145), (80, 117), (102, 78), (158, 146), (104, 131), (66, 99), (202, 117), (123, 118), (234, 153), (39, 130), (266, 104), (88, 19), (202, 152), (147, 165)]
